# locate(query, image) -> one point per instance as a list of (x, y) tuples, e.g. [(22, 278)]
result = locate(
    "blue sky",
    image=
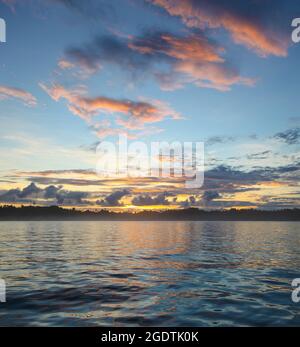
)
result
[(226, 74)]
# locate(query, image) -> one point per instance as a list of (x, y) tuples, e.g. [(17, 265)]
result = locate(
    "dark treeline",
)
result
[(31, 213)]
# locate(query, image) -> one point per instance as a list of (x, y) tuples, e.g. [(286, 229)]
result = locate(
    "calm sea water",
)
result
[(149, 273)]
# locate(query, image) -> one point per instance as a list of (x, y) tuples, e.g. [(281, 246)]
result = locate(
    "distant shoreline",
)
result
[(55, 213)]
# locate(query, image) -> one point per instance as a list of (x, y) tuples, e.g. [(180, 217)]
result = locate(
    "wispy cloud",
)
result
[(130, 114), (7, 92), (65, 64), (172, 61), (248, 26), (290, 136)]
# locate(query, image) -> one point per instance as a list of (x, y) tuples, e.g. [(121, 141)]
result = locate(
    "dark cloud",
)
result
[(112, 50), (210, 195), (51, 192), (71, 198), (220, 182), (15, 195), (172, 60), (148, 200), (32, 193), (207, 198), (204, 201), (114, 198), (227, 173), (291, 136), (29, 191), (191, 201), (259, 155), (11, 195), (214, 140), (277, 203)]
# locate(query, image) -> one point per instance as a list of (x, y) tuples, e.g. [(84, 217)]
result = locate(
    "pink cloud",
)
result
[(130, 115), (65, 64), (16, 93), (194, 60), (213, 76), (191, 47), (249, 33)]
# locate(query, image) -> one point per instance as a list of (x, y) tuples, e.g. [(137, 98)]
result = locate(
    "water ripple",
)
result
[(149, 274)]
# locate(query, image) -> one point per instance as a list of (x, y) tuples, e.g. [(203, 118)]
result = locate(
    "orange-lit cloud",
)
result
[(133, 112), (17, 93), (172, 60), (65, 64), (214, 76), (217, 14), (182, 48), (193, 60), (224, 187)]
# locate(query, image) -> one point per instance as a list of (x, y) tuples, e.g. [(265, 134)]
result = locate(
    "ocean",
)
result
[(149, 273)]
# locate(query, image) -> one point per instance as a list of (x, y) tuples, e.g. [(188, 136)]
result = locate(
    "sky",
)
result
[(76, 73)]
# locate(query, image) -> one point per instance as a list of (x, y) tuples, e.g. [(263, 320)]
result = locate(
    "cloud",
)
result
[(128, 112), (259, 155), (194, 47), (248, 24), (16, 93), (71, 198), (148, 200), (29, 191), (16, 195), (109, 50), (290, 137), (11, 195), (214, 140), (65, 64), (220, 77), (224, 187), (172, 61), (227, 173), (34, 194), (195, 60), (114, 198), (210, 195), (51, 192), (191, 201), (207, 198)]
